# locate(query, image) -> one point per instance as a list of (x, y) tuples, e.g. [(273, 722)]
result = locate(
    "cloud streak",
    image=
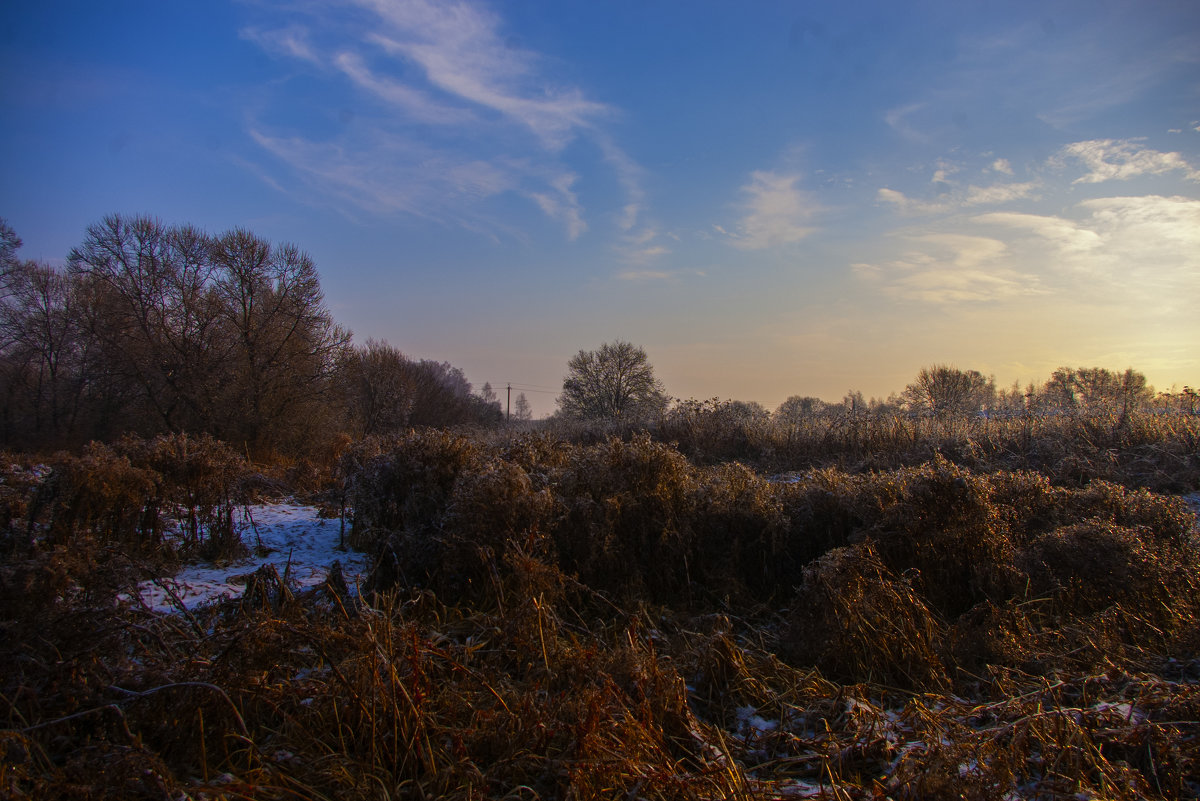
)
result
[(505, 123)]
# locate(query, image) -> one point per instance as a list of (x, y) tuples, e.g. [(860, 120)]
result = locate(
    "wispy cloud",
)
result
[(898, 119), (647, 276), (776, 212), (908, 205), (954, 200), (637, 235), (412, 102), (1063, 234), (999, 193), (446, 64), (1122, 159), (563, 204), (1153, 240), (1002, 166), (944, 268), (461, 50), (1119, 252), (401, 178), (292, 41)]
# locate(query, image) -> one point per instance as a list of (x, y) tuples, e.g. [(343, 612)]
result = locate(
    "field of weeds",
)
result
[(612, 618)]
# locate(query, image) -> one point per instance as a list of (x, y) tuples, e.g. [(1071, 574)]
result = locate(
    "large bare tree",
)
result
[(614, 382)]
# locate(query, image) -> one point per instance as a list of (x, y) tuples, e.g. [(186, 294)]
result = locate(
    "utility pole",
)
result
[(508, 406)]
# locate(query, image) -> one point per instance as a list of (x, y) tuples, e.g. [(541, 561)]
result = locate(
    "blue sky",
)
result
[(771, 198)]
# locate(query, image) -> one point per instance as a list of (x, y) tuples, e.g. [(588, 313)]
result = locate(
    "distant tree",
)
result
[(614, 382), (1135, 392), (854, 402), (41, 350), (947, 390), (384, 391), (1097, 389), (744, 412), (521, 410), (378, 388), (487, 397), (1058, 393), (797, 408), (10, 243), (1011, 400), (1093, 390)]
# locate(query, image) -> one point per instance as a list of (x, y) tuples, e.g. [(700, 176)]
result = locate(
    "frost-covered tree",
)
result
[(521, 409), (947, 390), (613, 382), (798, 407)]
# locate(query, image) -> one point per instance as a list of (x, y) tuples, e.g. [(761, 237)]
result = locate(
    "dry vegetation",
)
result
[(922, 609)]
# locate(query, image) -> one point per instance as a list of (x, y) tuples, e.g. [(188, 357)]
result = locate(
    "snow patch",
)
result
[(293, 538)]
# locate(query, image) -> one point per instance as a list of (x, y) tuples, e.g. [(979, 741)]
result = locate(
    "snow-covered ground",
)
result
[(289, 536)]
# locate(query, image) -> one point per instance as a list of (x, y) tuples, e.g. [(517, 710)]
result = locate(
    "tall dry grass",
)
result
[(612, 619)]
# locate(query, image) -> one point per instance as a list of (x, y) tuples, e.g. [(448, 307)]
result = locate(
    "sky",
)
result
[(771, 198)]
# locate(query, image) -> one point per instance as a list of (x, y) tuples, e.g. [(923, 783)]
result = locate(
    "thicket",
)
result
[(549, 620), (1159, 451)]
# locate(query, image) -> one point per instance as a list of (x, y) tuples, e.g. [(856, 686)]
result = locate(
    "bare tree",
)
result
[(798, 408), (279, 341), (521, 409), (379, 388), (149, 307), (1094, 390), (947, 390), (227, 335), (40, 349), (614, 382)]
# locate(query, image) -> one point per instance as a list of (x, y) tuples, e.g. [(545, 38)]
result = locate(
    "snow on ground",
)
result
[(287, 535)]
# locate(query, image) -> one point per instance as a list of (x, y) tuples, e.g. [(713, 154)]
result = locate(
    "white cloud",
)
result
[(382, 174), (292, 41), (776, 212), (1002, 166), (949, 201), (907, 205), (462, 52), (1153, 239), (562, 206), (447, 64), (1122, 159), (1065, 235), (1144, 248), (413, 102), (949, 269), (1000, 193)]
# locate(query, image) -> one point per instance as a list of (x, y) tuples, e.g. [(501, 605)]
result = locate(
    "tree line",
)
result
[(616, 383), (152, 328)]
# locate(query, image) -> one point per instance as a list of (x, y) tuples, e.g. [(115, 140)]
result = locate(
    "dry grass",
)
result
[(608, 620)]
